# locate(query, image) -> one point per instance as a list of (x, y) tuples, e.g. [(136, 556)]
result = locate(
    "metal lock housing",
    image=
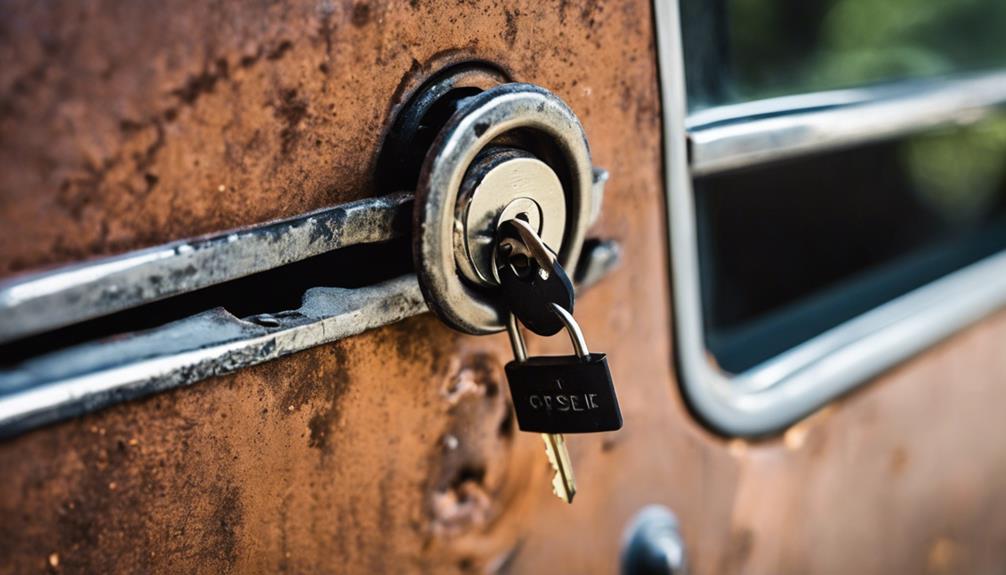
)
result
[(504, 183), (479, 149)]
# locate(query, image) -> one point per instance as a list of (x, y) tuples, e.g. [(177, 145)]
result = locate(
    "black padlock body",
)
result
[(531, 298), (564, 394)]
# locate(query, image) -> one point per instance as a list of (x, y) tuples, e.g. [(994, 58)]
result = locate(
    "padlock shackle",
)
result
[(516, 338), (573, 329)]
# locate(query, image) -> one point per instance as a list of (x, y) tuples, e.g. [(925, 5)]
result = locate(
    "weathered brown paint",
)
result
[(394, 451), (125, 124)]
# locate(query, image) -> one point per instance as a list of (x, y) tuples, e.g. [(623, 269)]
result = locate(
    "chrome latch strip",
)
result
[(94, 375), (71, 294)]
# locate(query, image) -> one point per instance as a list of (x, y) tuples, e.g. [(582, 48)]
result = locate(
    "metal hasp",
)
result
[(93, 375), (493, 147)]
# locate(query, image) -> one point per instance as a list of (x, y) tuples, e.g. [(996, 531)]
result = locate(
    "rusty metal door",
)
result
[(131, 125)]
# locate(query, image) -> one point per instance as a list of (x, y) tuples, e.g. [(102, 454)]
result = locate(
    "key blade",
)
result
[(563, 482)]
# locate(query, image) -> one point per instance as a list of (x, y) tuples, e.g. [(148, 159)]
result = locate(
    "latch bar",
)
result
[(40, 302), (90, 376)]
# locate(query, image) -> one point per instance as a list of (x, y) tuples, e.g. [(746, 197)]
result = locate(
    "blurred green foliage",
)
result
[(778, 47), (959, 172)]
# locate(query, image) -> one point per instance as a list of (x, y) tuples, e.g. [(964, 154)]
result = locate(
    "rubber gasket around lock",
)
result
[(486, 117)]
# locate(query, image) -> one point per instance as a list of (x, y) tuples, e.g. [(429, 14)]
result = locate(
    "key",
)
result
[(531, 278), (563, 480)]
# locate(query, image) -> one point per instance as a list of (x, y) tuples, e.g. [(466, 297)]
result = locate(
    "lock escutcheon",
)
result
[(501, 151)]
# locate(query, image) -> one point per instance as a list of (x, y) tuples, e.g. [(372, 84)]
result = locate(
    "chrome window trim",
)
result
[(781, 391), (740, 135)]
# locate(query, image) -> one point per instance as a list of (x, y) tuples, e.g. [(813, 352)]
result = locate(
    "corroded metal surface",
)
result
[(394, 451), (399, 452), (337, 460)]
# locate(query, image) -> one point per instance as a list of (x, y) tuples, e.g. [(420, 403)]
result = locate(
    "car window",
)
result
[(740, 50)]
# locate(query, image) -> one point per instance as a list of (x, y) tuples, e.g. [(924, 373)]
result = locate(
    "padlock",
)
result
[(563, 394)]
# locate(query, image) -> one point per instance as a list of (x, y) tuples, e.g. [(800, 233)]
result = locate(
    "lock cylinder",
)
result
[(501, 184), (481, 150)]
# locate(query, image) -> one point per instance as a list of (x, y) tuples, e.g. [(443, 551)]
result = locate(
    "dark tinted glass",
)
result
[(792, 249), (738, 50)]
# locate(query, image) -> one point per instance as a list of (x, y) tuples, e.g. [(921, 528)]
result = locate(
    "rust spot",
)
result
[(507, 424), (319, 426), (738, 550), (25, 84), (945, 556), (589, 13), (463, 506), (610, 442), (303, 386), (469, 459), (228, 516), (325, 395), (808, 428), (290, 109), (475, 376), (411, 339), (361, 14), (510, 32), (899, 460), (280, 50), (795, 436), (202, 83)]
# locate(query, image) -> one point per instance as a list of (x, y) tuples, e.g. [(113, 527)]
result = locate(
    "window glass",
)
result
[(739, 50), (791, 249)]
